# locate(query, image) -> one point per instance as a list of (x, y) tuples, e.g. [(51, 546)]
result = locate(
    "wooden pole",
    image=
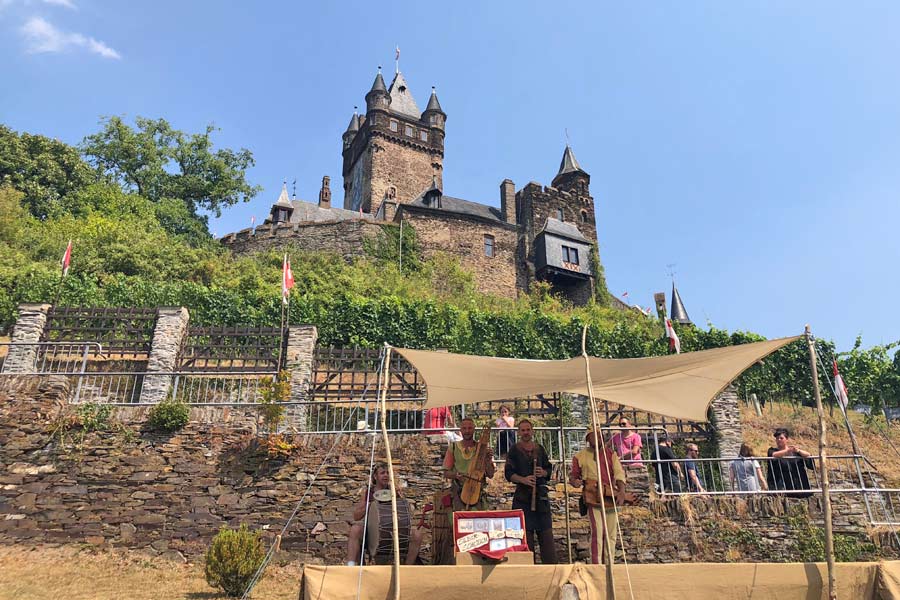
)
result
[(565, 478), (390, 465), (598, 439), (823, 468)]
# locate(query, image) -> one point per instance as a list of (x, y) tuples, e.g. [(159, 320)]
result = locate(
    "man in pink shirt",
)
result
[(627, 444)]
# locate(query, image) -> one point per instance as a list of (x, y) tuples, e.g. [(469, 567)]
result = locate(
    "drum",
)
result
[(379, 528)]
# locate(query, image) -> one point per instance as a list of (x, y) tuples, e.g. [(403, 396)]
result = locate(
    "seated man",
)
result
[(380, 481)]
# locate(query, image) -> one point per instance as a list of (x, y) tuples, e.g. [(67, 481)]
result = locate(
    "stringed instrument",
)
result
[(471, 489)]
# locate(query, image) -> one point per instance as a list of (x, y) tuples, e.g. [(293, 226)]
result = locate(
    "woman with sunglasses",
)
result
[(627, 444)]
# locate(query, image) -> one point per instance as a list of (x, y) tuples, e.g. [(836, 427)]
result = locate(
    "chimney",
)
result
[(325, 193), (508, 201), (660, 299)]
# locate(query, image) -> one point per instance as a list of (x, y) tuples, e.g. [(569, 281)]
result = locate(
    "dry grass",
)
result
[(73, 574), (802, 423)]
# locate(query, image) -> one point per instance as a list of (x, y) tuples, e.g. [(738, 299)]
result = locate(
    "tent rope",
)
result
[(271, 552)]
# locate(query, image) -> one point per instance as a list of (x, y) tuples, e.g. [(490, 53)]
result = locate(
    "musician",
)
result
[(584, 467), (380, 481), (528, 466), (456, 465)]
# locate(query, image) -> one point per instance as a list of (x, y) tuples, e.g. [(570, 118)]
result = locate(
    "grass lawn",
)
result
[(71, 573)]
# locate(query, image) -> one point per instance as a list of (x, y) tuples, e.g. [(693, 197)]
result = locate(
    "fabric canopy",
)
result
[(680, 386)]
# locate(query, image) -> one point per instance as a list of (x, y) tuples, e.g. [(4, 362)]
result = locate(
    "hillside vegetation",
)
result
[(135, 198)]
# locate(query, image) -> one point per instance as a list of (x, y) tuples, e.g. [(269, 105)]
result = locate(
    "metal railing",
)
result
[(30, 358)]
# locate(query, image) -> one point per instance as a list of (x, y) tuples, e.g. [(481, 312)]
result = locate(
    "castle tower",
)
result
[(678, 312), (282, 209), (579, 207), (394, 152)]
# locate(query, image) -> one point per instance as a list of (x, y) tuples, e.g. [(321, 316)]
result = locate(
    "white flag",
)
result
[(674, 342), (840, 390)]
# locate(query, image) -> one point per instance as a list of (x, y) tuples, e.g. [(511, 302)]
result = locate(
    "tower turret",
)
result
[(678, 312), (352, 129), (282, 209), (571, 177), (434, 116), (378, 97)]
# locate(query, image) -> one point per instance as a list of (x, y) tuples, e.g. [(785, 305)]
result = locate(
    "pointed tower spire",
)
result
[(569, 164), (283, 197), (402, 101), (678, 312), (354, 122), (433, 104), (378, 84)]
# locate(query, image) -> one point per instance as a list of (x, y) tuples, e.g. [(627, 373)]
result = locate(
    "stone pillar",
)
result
[(725, 412), (299, 354), (28, 330), (171, 325)]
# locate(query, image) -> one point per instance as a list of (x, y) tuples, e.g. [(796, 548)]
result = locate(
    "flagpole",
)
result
[(823, 467), (282, 303)]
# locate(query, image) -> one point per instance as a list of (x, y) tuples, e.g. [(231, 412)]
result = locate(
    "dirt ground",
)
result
[(71, 573)]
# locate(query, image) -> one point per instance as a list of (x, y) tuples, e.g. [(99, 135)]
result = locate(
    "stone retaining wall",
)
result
[(169, 494)]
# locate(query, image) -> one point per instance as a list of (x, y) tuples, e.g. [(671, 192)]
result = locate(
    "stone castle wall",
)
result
[(464, 239), (342, 237), (169, 494), (407, 169)]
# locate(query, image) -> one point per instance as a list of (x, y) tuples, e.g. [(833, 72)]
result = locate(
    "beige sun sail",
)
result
[(680, 386)]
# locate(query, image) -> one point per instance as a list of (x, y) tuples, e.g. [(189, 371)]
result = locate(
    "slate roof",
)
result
[(564, 229), (402, 101), (678, 313), (461, 207), (433, 103), (305, 212), (569, 163)]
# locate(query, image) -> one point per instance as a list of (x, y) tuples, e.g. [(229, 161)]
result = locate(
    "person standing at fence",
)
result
[(506, 437), (609, 480), (787, 469), (627, 443), (667, 471), (746, 474), (692, 476), (437, 419), (528, 466)]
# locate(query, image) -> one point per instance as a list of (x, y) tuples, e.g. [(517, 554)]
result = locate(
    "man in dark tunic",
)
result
[(521, 470)]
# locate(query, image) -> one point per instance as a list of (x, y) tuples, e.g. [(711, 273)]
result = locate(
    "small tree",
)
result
[(233, 558), (168, 416), (273, 392)]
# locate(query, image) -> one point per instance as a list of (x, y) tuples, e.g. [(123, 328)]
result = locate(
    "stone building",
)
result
[(393, 172)]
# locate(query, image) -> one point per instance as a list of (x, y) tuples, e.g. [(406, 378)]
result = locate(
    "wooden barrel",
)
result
[(441, 534)]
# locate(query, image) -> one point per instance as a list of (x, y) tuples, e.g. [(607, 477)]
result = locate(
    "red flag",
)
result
[(287, 279), (67, 259), (674, 342), (397, 56), (840, 390), (252, 220)]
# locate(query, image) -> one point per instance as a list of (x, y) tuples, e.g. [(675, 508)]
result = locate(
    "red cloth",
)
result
[(485, 550), (605, 467), (436, 419)]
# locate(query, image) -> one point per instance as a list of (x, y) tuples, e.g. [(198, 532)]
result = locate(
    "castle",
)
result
[(393, 173)]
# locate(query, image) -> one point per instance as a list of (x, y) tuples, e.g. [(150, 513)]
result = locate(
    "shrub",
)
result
[(168, 416), (273, 392), (94, 417), (233, 558)]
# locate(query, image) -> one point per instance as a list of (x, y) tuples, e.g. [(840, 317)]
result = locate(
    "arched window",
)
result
[(560, 215), (584, 216)]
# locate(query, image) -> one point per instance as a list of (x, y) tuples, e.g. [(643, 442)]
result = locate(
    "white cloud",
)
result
[(42, 36), (64, 3)]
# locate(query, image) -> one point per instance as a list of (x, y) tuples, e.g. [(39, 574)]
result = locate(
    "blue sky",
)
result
[(754, 145)]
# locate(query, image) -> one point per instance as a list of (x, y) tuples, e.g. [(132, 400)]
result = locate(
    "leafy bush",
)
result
[(168, 416), (233, 558), (94, 417)]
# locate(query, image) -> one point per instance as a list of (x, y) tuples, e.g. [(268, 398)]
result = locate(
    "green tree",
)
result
[(158, 162), (43, 169)]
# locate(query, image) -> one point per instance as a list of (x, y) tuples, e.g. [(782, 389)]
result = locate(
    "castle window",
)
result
[(408, 131), (423, 135), (560, 215), (433, 119), (489, 246), (395, 126), (570, 255), (584, 216)]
